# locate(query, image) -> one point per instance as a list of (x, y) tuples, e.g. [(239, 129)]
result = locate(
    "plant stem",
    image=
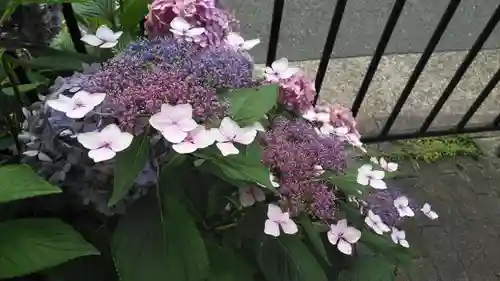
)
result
[(15, 128), (227, 226)]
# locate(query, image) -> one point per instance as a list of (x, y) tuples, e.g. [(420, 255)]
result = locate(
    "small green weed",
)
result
[(433, 149)]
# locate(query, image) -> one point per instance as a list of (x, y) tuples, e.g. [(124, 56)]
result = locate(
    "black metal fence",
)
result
[(384, 134)]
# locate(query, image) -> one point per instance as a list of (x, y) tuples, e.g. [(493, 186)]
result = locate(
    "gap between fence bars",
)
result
[(391, 24)]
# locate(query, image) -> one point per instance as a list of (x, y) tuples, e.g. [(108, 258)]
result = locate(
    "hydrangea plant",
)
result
[(212, 172)]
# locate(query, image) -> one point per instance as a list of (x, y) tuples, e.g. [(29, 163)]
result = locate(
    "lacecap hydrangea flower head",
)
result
[(178, 90)]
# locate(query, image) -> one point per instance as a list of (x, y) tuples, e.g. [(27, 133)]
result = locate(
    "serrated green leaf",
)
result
[(133, 11), (227, 265), (30, 245), (347, 183), (9, 91), (249, 105), (128, 164), (20, 181), (245, 166), (368, 268), (387, 250), (96, 9), (314, 236), (287, 259), (153, 242)]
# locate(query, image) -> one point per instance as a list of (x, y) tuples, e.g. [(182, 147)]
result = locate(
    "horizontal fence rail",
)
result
[(391, 24)]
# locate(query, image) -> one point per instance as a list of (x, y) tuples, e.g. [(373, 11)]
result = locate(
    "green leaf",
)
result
[(96, 9), (227, 265), (249, 105), (245, 166), (6, 140), (314, 236), (20, 181), (368, 268), (150, 244), (346, 183), (288, 259), (387, 250), (30, 245), (133, 12), (9, 91), (128, 164)]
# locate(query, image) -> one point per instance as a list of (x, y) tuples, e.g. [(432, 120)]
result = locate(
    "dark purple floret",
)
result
[(294, 150), (223, 68), (381, 202)]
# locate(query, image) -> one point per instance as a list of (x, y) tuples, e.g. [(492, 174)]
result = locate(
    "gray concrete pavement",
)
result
[(305, 25)]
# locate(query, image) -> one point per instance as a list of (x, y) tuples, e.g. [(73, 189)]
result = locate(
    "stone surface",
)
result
[(462, 245), (305, 26), (344, 76)]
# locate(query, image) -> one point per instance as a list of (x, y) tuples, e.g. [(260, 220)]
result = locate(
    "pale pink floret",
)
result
[(278, 219), (343, 236), (106, 143)]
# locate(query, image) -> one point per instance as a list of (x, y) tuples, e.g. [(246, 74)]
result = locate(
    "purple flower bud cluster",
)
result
[(381, 202), (224, 67), (149, 73), (297, 93), (341, 116), (293, 150), (200, 13)]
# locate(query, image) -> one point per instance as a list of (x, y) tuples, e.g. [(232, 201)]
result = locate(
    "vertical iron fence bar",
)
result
[(74, 30), (329, 44), (422, 62), (379, 52), (469, 58), (496, 122), (479, 100), (279, 6)]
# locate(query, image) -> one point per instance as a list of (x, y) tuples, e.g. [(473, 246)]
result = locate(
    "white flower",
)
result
[(376, 223), (274, 180), (195, 139), (236, 41), (401, 204), (104, 38), (40, 155), (354, 140), (258, 127), (279, 70), (399, 237), (251, 194), (319, 170), (230, 132), (368, 176), (388, 166), (310, 115), (426, 209), (181, 28), (105, 144), (174, 122), (77, 106), (327, 129), (277, 219), (343, 236)]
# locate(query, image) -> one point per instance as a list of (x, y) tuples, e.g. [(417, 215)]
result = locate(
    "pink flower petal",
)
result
[(101, 154), (274, 212), (271, 228), (289, 227), (344, 247), (227, 148)]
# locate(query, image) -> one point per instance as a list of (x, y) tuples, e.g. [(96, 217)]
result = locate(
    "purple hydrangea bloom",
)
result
[(223, 67), (201, 13), (297, 93), (381, 202), (293, 150)]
